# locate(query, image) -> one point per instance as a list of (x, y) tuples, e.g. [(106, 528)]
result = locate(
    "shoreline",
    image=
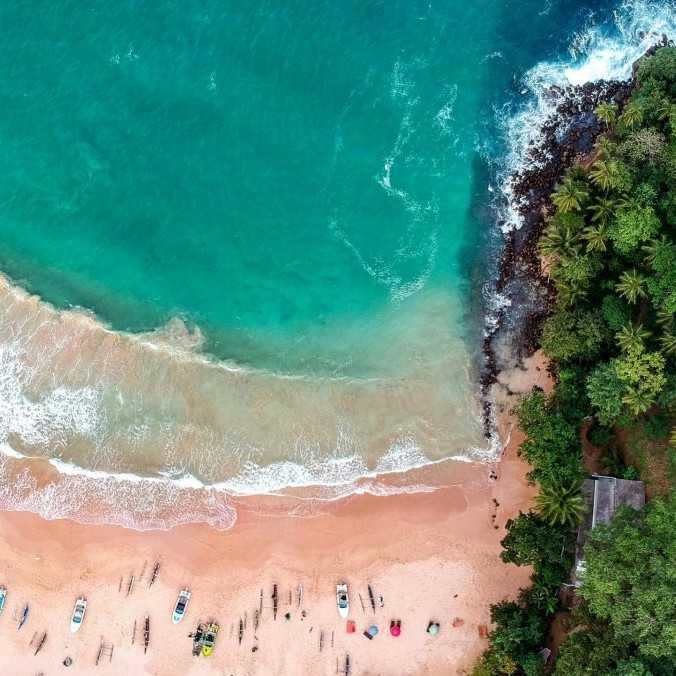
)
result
[(569, 131), (413, 549), (96, 406)]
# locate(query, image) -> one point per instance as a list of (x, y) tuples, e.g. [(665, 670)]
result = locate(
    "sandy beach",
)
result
[(431, 556)]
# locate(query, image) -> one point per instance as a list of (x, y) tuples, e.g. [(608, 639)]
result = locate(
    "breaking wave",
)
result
[(141, 431)]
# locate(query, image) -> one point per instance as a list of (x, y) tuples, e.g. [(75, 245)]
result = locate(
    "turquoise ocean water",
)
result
[(280, 211), (259, 169)]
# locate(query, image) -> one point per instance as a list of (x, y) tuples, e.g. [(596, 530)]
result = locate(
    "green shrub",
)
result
[(552, 445), (573, 334), (615, 312), (633, 226), (606, 390)]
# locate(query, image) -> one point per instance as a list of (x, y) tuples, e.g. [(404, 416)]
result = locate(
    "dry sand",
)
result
[(430, 555)]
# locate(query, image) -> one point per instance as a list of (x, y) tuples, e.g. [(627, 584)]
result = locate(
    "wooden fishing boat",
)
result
[(146, 635), (24, 617)]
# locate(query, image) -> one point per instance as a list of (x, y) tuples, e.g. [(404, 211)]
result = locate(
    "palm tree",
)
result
[(655, 247), (638, 400), (631, 285), (665, 318), (631, 335), (604, 147), (665, 109), (559, 241), (602, 210), (623, 201), (569, 195), (604, 174), (568, 294), (607, 113), (668, 343), (596, 238), (561, 504), (632, 115)]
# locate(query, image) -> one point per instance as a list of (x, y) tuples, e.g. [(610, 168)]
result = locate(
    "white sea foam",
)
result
[(158, 503), (7, 450), (444, 117), (98, 497), (41, 420)]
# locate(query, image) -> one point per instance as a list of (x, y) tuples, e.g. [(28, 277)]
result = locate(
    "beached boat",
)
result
[(342, 600), (196, 637), (3, 597), (181, 605), (209, 639), (78, 614), (24, 617)]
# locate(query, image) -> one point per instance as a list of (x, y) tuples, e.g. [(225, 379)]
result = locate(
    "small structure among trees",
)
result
[(603, 495)]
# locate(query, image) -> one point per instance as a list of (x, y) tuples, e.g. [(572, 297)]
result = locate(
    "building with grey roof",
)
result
[(604, 495)]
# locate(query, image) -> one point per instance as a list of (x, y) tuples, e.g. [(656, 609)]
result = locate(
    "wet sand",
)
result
[(430, 555)]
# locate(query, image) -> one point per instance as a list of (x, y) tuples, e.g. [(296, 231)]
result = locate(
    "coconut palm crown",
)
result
[(561, 504)]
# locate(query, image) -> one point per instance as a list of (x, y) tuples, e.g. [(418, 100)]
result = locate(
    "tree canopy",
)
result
[(610, 242), (630, 579)]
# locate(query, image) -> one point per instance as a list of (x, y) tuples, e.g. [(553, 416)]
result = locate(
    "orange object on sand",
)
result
[(351, 627), (483, 631), (458, 621)]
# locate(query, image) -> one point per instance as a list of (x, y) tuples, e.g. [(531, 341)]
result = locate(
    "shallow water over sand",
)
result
[(114, 402)]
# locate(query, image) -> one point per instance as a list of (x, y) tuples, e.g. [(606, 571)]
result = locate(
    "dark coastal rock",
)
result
[(566, 137)]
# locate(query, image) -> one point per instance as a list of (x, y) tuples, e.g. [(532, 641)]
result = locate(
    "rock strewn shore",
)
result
[(567, 135)]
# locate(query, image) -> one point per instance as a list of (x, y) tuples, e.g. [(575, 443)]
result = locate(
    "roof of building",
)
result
[(604, 495)]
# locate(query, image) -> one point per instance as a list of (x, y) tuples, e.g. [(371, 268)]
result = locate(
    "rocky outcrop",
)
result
[(566, 137)]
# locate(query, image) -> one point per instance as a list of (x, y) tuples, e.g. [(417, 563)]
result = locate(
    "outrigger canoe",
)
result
[(342, 600), (78, 614), (181, 605), (3, 598), (24, 617)]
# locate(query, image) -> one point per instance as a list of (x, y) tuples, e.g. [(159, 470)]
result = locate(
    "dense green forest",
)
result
[(610, 247)]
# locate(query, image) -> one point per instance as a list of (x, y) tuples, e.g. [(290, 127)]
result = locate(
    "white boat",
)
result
[(181, 605), (342, 600), (3, 598), (78, 614)]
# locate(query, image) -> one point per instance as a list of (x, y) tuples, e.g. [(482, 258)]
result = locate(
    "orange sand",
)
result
[(430, 555)]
